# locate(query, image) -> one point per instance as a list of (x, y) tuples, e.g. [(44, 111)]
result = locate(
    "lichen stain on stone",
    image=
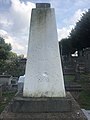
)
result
[(42, 15)]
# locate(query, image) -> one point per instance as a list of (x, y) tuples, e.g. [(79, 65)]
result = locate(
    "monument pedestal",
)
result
[(22, 104), (22, 108)]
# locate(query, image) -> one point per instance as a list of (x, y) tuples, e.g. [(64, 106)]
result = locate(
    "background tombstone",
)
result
[(21, 83)]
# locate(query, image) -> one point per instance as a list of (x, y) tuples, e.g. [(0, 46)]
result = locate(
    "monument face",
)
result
[(43, 77)]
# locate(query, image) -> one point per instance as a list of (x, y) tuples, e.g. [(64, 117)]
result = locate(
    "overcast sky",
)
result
[(15, 19)]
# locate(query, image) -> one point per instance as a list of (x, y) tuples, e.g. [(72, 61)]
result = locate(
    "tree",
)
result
[(79, 37), (9, 61), (14, 68), (4, 49), (4, 54), (66, 46)]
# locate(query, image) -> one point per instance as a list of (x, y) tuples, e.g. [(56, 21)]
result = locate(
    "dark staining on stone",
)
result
[(42, 15), (42, 11)]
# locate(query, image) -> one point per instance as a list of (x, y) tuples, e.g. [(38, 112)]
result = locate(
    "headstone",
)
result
[(43, 75), (21, 83)]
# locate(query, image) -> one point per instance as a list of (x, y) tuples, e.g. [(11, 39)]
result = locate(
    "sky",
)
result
[(15, 19)]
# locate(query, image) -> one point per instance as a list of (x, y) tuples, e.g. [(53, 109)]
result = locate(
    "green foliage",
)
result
[(79, 37), (4, 49), (14, 68), (12, 55), (10, 61), (66, 46), (2, 66), (83, 96)]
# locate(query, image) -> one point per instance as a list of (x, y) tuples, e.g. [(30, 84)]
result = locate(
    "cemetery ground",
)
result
[(82, 96), (6, 98)]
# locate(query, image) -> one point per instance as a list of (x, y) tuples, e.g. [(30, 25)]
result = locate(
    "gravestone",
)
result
[(43, 96), (21, 83), (43, 75)]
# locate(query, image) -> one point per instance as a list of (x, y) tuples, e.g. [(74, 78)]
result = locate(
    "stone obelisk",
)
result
[(43, 77)]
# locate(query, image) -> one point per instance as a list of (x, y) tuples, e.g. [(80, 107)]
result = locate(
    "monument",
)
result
[(44, 75), (44, 96)]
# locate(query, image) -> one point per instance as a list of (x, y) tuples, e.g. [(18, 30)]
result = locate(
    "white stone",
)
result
[(43, 77), (87, 113), (21, 83)]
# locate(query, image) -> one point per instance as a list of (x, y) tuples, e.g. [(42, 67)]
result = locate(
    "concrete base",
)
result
[(18, 111), (22, 104)]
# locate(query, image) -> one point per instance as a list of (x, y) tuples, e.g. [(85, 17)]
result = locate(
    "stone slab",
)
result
[(75, 114), (39, 105), (42, 5)]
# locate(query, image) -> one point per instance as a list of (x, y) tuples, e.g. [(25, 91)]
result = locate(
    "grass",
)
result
[(68, 78), (84, 100), (84, 95), (6, 97)]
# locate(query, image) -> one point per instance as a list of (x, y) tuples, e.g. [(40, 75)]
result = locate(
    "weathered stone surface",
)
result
[(43, 104), (43, 77), (21, 83), (42, 5), (75, 114)]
